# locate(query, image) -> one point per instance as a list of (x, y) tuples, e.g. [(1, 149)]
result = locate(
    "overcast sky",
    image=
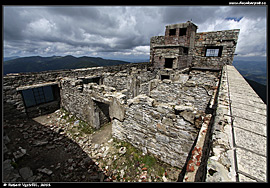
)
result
[(123, 31)]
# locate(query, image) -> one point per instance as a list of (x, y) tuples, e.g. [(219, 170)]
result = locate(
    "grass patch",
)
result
[(149, 160), (83, 127), (134, 156)]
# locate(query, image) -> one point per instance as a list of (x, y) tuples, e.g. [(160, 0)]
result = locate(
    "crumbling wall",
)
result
[(187, 39), (220, 164), (89, 102), (155, 128), (13, 101), (167, 121), (189, 49), (194, 89), (130, 82)]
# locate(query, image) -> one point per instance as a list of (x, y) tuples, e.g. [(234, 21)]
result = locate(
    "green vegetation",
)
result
[(79, 127), (122, 160), (135, 160)]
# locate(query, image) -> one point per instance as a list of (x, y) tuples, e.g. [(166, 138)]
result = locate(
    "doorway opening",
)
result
[(102, 113)]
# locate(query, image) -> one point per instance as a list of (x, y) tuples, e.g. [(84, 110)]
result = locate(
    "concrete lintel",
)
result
[(36, 85)]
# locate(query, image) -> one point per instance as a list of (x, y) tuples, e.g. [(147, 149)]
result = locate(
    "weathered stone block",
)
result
[(117, 110), (188, 116), (162, 138)]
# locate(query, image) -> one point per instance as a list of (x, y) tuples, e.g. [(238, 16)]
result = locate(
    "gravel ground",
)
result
[(61, 148)]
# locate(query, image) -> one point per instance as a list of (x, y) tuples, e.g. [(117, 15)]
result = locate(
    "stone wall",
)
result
[(187, 39), (226, 38), (194, 89), (89, 102), (239, 139), (13, 101), (220, 164), (190, 49), (167, 121), (130, 82), (155, 128)]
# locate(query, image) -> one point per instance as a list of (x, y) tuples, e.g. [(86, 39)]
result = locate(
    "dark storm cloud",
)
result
[(88, 30), (183, 13), (252, 12), (12, 25), (101, 28), (204, 14)]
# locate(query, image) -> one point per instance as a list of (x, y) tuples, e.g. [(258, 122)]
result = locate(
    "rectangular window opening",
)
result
[(172, 32), (165, 77), (185, 51), (91, 80), (36, 96), (213, 51), (168, 62), (183, 31)]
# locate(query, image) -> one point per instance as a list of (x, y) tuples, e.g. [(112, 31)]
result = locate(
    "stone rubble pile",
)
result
[(59, 149)]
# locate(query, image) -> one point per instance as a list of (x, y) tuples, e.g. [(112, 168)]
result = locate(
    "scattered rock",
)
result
[(86, 162), (20, 153), (96, 146), (101, 177), (143, 175), (106, 161), (10, 174), (122, 173), (50, 147), (122, 150), (39, 142), (45, 171), (26, 173), (76, 123), (6, 139), (164, 179)]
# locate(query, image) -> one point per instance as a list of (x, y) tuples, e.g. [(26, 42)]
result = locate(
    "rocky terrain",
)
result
[(61, 148)]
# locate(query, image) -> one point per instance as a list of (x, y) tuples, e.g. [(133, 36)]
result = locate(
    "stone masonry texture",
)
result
[(188, 106)]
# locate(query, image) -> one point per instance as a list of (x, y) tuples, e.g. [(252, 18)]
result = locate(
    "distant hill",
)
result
[(255, 73), (252, 70), (10, 58), (38, 63), (260, 89)]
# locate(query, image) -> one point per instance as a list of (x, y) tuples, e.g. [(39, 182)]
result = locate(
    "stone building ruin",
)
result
[(182, 47), (165, 107)]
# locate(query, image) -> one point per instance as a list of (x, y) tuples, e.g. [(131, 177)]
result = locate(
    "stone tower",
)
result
[(183, 47), (172, 50)]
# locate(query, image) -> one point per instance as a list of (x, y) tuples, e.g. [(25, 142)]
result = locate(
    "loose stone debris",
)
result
[(58, 148)]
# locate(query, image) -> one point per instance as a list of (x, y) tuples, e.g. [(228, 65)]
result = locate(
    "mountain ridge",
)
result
[(39, 63), (252, 70)]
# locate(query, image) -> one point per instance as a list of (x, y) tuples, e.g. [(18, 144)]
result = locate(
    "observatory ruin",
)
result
[(175, 107)]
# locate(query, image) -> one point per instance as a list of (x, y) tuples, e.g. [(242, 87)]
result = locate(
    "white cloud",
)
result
[(252, 37), (141, 50)]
